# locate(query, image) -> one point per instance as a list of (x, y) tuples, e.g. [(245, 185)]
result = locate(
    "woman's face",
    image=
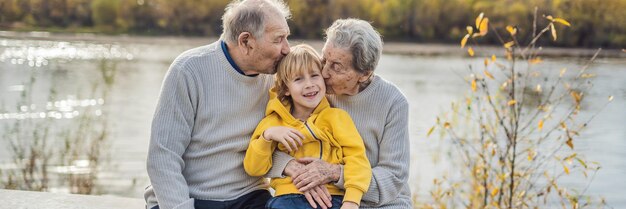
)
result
[(339, 74)]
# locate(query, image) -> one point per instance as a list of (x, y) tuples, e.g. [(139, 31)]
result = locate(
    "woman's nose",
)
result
[(325, 73)]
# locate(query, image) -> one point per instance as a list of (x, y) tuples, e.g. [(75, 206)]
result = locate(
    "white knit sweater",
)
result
[(203, 122)]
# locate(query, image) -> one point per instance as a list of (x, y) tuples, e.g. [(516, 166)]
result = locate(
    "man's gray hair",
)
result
[(250, 16), (360, 38)]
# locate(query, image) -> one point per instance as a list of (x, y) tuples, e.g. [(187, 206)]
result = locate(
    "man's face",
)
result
[(272, 47)]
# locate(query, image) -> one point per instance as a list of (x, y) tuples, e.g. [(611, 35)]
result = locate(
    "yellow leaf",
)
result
[(512, 30), (446, 125), (512, 102), (582, 162), (488, 74), (493, 152), (563, 125), (540, 125), (474, 85), (494, 192), (486, 62), (538, 88), (509, 44), (565, 169), (503, 86), (562, 72), (470, 30), (484, 27), (576, 96), (493, 58), (588, 75), (479, 19), (570, 143), (531, 155), (536, 60), (610, 98), (464, 40), (470, 51), (549, 17), (562, 21), (430, 131), (553, 31)]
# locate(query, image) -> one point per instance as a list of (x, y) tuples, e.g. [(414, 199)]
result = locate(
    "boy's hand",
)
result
[(289, 137), (349, 205)]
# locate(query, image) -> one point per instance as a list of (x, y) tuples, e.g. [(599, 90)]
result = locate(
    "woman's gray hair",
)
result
[(249, 16), (360, 38)]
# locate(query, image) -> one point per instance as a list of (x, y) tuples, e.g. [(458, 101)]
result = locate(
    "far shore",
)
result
[(403, 48)]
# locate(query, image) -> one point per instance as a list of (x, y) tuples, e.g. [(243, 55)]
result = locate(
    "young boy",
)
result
[(300, 121)]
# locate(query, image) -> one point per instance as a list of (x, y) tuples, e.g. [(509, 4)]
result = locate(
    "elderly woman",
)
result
[(379, 110)]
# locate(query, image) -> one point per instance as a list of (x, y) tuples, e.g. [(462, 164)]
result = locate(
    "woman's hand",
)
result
[(289, 137), (349, 205)]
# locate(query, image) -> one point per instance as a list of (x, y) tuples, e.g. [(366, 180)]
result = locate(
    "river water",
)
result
[(115, 83)]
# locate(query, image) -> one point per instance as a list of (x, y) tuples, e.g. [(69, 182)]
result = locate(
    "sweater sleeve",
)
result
[(357, 170), (171, 130), (258, 160), (392, 171), (280, 160)]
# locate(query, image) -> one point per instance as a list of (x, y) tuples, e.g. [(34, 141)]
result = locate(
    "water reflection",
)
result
[(39, 53), (61, 109)]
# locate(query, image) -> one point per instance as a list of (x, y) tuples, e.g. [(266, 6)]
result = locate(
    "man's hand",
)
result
[(289, 137), (320, 195), (315, 173), (349, 205)]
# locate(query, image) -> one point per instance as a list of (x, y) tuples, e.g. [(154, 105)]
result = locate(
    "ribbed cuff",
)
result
[(339, 183), (353, 195), (263, 146)]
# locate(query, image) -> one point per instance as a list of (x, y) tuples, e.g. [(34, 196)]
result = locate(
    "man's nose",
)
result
[(285, 48)]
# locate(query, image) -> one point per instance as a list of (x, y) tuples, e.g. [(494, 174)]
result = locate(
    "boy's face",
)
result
[(306, 90)]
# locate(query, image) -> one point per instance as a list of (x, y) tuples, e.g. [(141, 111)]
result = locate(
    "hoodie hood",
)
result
[(283, 108)]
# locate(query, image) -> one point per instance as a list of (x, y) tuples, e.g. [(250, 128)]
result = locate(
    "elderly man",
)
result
[(211, 100)]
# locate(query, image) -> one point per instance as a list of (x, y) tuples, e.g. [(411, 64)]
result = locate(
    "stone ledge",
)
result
[(15, 199)]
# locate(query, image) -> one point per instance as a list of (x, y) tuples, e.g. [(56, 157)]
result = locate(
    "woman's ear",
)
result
[(365, 76), (246, 42)]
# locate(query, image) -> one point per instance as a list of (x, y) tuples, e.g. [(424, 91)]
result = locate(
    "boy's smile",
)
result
[(306, 92)]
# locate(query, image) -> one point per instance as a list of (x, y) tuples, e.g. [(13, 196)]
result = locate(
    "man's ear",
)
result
[(246, 42)]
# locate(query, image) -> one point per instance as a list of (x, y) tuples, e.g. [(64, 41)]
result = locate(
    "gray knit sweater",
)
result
[(204, 119), (380, 113)]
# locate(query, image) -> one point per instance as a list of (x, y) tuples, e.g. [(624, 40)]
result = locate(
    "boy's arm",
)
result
[(258, 160), (357, 170), (170, 136)]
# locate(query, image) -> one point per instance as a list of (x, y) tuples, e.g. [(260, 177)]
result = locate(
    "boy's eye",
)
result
[(296, 79)]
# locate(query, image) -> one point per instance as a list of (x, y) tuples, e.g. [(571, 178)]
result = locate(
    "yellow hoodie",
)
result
[(329, 134)]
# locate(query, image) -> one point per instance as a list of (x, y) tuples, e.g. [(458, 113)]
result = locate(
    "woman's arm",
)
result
[(392, 171)]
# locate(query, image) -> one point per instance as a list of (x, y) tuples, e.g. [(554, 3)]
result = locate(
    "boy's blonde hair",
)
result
[(302, 57)]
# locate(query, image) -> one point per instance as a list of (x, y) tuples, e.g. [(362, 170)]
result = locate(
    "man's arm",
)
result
[(392, 171), (170, 135)]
